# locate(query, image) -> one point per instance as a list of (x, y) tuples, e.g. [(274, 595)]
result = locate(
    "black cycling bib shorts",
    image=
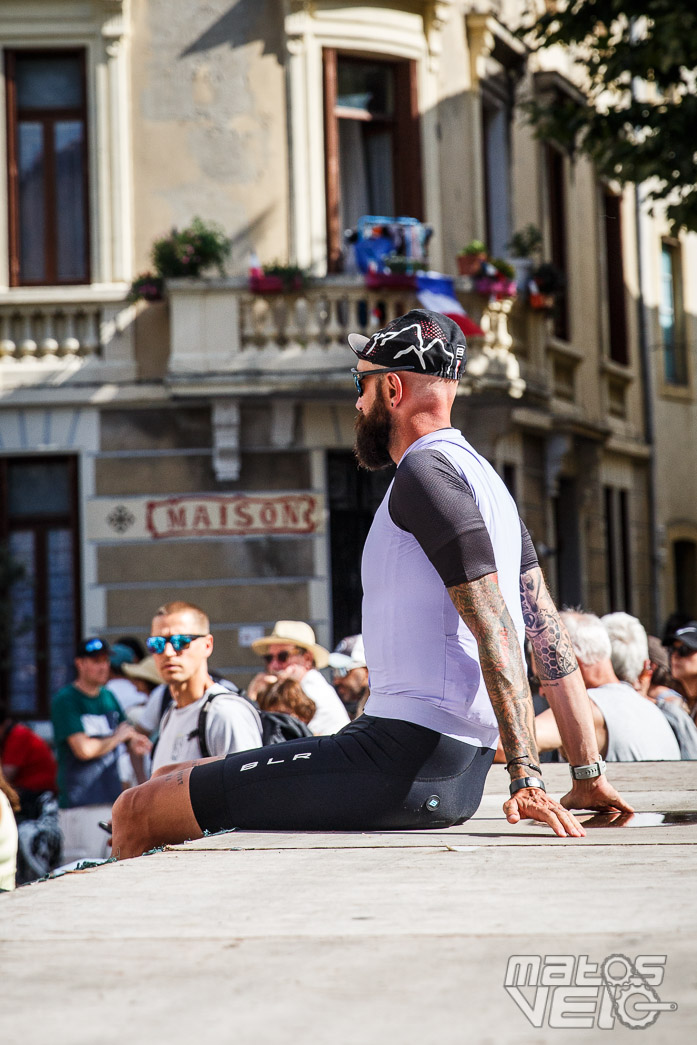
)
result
[(375, 774)]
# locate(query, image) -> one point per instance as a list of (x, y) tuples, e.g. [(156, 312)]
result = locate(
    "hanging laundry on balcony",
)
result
[(436, 292), (390, 251)]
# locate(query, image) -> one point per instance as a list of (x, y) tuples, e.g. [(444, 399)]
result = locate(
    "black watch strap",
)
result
[(526, 781)]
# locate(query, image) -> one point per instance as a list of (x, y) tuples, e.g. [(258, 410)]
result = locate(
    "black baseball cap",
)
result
[(94, 647), (431, 342), (687, 635)]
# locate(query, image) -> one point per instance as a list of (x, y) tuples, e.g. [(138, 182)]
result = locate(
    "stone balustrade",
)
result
[(222, 332), (219, 327), (76, 333), (30, 331)]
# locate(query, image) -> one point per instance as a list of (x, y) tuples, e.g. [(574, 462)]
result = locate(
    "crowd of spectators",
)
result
[(133, 710)]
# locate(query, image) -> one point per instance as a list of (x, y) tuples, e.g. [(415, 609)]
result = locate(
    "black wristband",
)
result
[(523, 760), (525, 781)]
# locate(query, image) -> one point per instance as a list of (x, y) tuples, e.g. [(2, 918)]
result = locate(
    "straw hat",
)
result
[(145, 670), (294, 633)]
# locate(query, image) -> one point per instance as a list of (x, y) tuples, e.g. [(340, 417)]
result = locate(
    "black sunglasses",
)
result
[(682, 650), (283, 657), (358, 375), (158, 643)]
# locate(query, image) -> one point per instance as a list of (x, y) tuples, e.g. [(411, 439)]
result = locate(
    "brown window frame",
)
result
[(558, 216), (675, 361), (614, 276), (47, 117), (618, 549), (40, 524), (408, 189)]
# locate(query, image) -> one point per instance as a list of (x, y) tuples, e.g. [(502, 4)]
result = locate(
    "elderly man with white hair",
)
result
[(628, 728), (633, 658)]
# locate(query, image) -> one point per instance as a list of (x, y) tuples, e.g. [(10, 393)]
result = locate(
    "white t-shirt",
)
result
[(147, 716), (126, 692), (331, 715), (232, 724), (637, 731)]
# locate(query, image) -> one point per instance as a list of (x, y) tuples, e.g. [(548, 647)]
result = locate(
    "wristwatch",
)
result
[(526, 781), (588, 772)]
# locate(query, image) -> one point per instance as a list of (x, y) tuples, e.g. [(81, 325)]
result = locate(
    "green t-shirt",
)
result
[(93, 781)]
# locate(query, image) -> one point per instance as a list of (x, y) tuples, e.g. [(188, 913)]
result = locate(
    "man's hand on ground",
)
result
[(532, 803), (597, 793)]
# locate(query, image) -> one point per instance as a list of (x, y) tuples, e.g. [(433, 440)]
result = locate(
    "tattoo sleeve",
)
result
[(554, 655), (482, 608)]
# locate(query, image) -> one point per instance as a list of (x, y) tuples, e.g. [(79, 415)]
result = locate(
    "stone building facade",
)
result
[(200, 447)]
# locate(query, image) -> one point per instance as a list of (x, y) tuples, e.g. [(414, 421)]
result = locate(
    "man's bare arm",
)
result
[(561, 683), (481, 606)]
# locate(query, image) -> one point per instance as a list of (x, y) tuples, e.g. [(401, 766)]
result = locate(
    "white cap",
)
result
[(349, 654)]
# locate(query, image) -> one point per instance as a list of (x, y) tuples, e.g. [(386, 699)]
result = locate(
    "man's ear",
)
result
[(395, 389)]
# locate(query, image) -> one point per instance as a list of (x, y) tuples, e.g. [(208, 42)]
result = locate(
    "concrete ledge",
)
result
[(273, 937)]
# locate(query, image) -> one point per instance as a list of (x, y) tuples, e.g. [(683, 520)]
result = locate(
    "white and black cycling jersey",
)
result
[(446, 519)]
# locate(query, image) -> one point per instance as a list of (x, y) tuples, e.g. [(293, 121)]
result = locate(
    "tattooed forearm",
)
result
[(481, 606), (554, 655)]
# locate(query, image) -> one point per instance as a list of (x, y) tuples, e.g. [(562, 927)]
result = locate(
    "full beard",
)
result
[(373, 433)]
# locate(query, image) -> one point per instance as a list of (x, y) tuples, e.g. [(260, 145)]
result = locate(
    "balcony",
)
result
[(226, 337), (221, 339), (57, 336)]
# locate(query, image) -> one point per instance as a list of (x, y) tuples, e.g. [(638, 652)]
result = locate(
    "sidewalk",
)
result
[(382, 937)]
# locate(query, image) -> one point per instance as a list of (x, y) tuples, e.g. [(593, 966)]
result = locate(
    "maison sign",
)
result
[(207, 515)]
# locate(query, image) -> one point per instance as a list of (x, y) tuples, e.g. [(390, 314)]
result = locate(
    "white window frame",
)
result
[(99, 28)]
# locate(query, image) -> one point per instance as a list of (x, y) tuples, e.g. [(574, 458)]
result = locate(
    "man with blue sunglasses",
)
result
[(181, 644), (451, 589)]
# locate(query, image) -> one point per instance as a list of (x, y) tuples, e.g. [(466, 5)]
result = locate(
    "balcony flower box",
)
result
[(275, 284), (496, 286), (390, 280)]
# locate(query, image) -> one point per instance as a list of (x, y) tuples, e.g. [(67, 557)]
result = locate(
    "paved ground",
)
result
[(367, 938)]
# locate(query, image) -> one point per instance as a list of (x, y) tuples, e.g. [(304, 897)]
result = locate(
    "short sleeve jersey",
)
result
[(232, 724), (433, 501), (94, 781)]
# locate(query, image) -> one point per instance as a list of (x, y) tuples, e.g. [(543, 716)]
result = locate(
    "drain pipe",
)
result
[(649, 422)]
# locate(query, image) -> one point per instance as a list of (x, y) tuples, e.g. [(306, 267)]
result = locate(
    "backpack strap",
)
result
[(200, 731)]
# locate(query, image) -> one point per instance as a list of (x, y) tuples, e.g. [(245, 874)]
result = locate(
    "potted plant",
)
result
[(545, 281), (278, 278), (183, 252), (146, 287), (471, 258), (524, 245), (497, 279)]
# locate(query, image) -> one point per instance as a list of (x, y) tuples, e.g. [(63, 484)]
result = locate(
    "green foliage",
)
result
[(202, 245), (400, 265), (187, 252), (503, 267), (293, 277), (640, 57), (475, 246), (549, 278), (147, 286), (525, 242)]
